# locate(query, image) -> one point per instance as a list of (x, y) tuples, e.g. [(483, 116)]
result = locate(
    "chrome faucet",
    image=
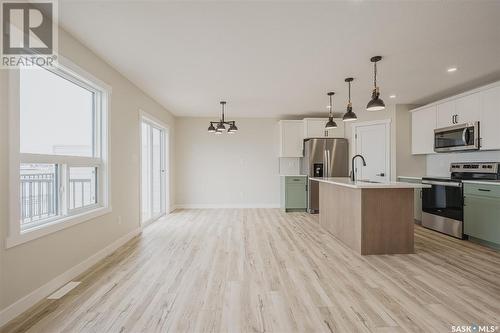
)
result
[(353, 174)]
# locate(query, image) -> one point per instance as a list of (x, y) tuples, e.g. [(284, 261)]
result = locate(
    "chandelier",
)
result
[(220, 127)]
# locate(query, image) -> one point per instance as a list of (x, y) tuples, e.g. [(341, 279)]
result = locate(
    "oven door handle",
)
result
[(442, 183)]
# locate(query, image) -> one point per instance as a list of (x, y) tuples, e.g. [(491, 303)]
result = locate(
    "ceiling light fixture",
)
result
[(452, 69), (330, 124), (349, 115), (375, 104), (220, 128)]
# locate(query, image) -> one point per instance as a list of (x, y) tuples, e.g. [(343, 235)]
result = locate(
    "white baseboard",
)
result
[(225, 206), (23, 304)]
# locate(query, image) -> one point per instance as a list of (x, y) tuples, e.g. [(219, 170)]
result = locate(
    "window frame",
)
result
[(102, 95)]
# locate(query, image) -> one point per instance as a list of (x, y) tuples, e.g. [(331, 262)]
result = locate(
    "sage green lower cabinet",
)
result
[(482, 212), (294, 193)]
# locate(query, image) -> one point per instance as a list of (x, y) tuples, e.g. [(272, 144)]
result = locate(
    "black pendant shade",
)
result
[(220, 127), (330, 124), (349, 115), (232, 129), (375, 104)]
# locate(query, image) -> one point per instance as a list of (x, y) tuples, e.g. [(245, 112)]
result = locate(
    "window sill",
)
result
[(56, 226)]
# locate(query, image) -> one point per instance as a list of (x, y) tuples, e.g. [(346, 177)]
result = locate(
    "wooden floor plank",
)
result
[(261, 270)]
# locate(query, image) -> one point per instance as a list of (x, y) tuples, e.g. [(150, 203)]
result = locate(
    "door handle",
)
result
[(380, 174)]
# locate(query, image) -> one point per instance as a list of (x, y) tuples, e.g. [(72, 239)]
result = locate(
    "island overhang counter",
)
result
[(368, 217)]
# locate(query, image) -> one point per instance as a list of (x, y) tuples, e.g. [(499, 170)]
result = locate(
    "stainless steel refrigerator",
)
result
[(323, 157)]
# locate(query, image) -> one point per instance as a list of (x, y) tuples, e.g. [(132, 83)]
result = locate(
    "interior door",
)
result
[(152, 172), (373, 143)]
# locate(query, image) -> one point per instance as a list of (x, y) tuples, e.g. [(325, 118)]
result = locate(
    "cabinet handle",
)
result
[(483, 190)]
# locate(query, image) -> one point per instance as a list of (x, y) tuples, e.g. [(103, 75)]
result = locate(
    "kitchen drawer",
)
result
[(482, 190), (296, 180), (481, 218)]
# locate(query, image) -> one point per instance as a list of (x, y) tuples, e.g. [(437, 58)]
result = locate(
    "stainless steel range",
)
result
[(443, 203)]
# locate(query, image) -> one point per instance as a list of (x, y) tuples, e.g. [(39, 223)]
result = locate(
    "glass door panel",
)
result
[(152, 172), (157, 169)]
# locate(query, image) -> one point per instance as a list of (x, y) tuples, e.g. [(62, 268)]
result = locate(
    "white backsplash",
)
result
[(439, 164), (289, 166)]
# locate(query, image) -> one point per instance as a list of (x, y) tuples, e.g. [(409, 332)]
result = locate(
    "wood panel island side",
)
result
[(370, 218)]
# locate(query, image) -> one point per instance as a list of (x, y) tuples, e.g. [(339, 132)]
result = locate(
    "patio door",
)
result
[(153, 178)]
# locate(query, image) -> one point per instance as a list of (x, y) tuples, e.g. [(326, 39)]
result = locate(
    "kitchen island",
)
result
[(368, 217)]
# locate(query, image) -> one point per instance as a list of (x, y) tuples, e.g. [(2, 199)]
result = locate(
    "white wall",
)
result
[(27, 267), (439, 164), (238, 170)]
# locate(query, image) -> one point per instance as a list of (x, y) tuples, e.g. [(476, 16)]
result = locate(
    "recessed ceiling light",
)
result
[(392, 96), (452, 69)]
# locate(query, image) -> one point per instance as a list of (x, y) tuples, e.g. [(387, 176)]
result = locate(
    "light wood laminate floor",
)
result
[(261, 270)]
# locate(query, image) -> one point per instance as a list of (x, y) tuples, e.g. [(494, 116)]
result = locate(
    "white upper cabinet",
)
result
[(446, 114), (291, 138), (423, 124), (315, 128), (467, 108), (482, 104), (458, 111), (490, 118)]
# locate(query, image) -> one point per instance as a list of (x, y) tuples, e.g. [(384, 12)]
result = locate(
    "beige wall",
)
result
[(227, 170), (28, 266)]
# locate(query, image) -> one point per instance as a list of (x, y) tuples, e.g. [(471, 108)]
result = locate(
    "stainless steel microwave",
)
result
[(457, 137)]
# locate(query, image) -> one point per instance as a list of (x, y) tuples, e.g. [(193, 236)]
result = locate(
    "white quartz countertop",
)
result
[(410, 177), (345, 181)]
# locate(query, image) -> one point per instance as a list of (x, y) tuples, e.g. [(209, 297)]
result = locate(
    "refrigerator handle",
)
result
[(327, 163)]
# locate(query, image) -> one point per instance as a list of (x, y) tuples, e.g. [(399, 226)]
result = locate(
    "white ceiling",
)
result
[(275, 59)]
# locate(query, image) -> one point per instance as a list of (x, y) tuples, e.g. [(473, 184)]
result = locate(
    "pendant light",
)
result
[(220, 125), (349, 115), (376, 104), (330, 124)]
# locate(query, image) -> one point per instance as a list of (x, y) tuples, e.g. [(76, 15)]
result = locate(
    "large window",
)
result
[(62, 147)]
